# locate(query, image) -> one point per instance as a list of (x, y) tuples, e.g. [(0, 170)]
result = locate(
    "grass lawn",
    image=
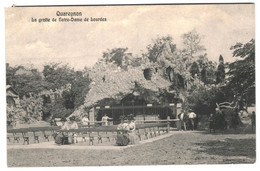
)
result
[(182, 148)]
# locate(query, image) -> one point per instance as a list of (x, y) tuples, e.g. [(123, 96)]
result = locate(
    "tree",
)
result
[(193, 47), (58, 75), (166, 60), (244, 51), (203, 74), (118, 56), (203, 99), (32, 106), (80, 88), (24, 81), (14, 115), (211, 72), (61, 76), (169, 62), (59, 109), (180, 67), (242, 72), (160, 50), (194, 57), (220, 74), (194, 69), (10, 74)]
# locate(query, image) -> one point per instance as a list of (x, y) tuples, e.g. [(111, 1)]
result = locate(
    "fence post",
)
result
[(168, 124)]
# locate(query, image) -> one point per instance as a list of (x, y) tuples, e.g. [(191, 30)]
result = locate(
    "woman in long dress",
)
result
[(122, 136), (132, 126)]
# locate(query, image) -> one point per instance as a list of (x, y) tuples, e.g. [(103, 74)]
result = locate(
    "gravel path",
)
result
[(179, 148)]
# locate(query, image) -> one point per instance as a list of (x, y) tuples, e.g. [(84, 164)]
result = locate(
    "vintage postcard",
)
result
[(127, 85)]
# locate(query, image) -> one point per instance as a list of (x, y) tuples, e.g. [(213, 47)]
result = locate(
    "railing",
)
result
[(91, 124), (168, 121)]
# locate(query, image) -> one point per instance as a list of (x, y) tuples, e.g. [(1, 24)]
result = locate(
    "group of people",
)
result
[(105, 119), (187, 117), (127, 131), (70, 124), (66, 137), (63, 137), (219, 121)]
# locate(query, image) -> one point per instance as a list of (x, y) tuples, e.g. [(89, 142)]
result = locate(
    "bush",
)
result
[(203, 99), (13, 116)]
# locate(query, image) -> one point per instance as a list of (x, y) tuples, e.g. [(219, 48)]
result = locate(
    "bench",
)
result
[(92, 136), (46, 135), (95, 133), (20, 133), (37, 131), (163, 129), (103, 134), (36, 137), (153, 130), (111, 135), (146, 132), (8, 138), (14, 136), (25, 136), (84, 135), (9, 135), (81, 132), (141, 132), (47, 132)]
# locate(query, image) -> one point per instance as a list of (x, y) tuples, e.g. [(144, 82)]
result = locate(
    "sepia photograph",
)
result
[(130, 85)]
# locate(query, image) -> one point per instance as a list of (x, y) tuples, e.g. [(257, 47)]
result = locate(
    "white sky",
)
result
[(81, 44)]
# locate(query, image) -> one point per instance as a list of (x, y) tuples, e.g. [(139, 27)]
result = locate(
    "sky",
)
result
[(82, 43)]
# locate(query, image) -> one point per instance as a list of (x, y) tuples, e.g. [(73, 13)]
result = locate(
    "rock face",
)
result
[(118, 84)]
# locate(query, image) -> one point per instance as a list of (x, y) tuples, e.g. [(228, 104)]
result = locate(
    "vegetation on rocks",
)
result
[(162, 74)]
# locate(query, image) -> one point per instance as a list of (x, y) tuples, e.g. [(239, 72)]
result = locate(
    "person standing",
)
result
[(131, 132), (221, 122), (66, 124), (253, 121), (73, 125), (85, 120), (105, 120), (211, 123), (192, 116), (181, 117)]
